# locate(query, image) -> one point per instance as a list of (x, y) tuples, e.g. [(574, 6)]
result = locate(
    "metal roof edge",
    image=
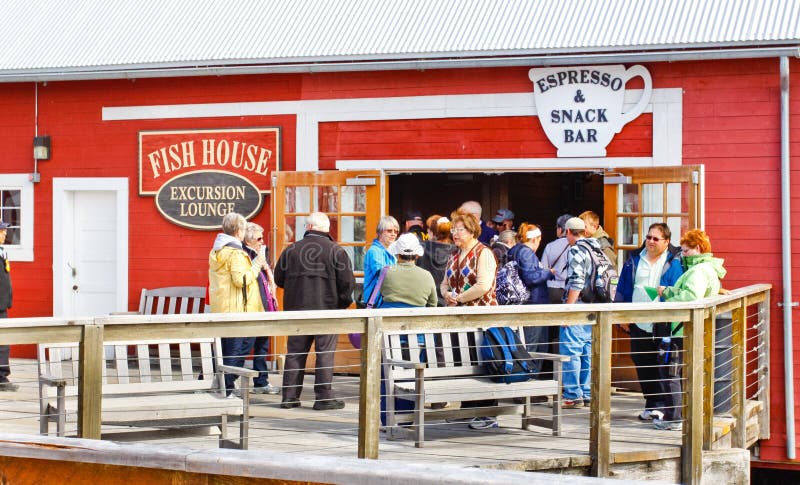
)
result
[(351, 64)]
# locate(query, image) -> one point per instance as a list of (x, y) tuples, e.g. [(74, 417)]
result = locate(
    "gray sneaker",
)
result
[(268, 389), (8, 386)]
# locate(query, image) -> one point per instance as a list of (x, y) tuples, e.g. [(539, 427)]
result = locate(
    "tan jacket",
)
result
[(229, 269)]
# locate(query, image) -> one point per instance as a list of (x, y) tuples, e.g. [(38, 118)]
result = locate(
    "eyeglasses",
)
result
[(394, 231), (456, 230), (653, 238)]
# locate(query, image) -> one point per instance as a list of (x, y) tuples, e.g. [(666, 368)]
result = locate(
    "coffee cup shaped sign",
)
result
[(581, 108)]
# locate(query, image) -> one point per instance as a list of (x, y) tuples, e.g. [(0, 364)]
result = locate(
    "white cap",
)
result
[(406, 245)]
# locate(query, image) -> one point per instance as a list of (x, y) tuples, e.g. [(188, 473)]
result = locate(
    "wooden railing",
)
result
[(698, 318)]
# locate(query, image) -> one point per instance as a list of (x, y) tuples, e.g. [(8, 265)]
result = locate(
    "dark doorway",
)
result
[(536, 197)]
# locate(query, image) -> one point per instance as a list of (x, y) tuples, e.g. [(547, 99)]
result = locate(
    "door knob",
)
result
[(74, 287)]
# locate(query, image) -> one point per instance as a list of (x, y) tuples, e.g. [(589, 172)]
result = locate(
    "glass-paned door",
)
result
[(351, 200), (353, 203), (633, 200), (647, 196)]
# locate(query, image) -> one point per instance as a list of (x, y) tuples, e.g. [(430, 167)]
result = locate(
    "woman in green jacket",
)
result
[(700, 279)]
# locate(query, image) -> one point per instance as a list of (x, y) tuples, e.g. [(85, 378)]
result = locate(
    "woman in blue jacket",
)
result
[(378, 256), (535, 278), (655, 265)]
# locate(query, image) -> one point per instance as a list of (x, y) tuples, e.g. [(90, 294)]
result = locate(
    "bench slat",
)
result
[(143, 358), (186, 362), (121, 363), (165, 362), (477, 388)]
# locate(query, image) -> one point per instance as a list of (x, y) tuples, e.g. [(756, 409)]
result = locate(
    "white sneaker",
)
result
[(483, 423), (649, 415), (268, 389)]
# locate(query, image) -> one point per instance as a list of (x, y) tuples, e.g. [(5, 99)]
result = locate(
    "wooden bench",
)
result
[(414, 374), (165, 383)]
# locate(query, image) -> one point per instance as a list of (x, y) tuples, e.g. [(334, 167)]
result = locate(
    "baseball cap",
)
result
[(502, 215), (406, 245), (413, 215), (575, 224)]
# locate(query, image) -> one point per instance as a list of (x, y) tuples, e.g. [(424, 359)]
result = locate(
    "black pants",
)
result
[(297, 348), (644, 349), (5, 369), (671, 387)]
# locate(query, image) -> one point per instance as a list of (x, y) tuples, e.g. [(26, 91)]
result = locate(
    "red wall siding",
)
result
[(731, 125)]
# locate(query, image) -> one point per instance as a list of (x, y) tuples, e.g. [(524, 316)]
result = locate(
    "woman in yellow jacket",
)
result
[(233, 287)]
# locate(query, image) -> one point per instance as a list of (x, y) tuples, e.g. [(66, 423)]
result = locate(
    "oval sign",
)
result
[(199, 200)]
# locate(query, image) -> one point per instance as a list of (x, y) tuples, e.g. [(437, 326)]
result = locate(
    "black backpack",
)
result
[(504, 356), (601, 284)]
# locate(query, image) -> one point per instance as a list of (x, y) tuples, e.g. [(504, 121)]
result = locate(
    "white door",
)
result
[(93, 261), (89, 247)]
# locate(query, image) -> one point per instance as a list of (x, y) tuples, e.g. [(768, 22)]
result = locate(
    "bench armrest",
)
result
[(545, 355), (49, 380), (405, 364), (239, 371)]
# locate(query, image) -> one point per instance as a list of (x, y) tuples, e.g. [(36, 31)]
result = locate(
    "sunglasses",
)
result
[(654, 239)]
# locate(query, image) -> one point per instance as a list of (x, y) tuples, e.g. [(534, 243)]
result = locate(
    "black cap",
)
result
[(413, 215)]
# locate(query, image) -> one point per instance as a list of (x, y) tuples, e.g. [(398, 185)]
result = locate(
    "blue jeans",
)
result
[(260, 351), (576, 343), (234, 350)]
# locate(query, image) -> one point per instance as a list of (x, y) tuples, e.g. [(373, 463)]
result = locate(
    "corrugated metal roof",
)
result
[(91, 35)]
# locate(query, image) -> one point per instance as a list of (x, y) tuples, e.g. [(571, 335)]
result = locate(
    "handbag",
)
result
[(355, 338)]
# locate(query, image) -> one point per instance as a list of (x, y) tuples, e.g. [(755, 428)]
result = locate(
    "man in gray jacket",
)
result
[(555, 257)]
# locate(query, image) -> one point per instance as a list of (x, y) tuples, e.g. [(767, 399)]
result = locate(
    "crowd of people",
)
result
[(454, 261)]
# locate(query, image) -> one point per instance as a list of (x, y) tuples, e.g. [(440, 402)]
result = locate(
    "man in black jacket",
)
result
[(5, 304), (315, 274)]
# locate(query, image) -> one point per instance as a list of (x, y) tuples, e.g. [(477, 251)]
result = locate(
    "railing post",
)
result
[(90, 382), (600, 414), (763, 365), (369, 411), (709, 351), (692, 447), (739, 389)]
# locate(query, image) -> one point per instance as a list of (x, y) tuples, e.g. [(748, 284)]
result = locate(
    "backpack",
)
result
[(601, 284), (509, 287), (505, 358)]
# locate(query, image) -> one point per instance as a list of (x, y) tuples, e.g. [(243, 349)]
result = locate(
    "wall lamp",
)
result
[(41, 148)]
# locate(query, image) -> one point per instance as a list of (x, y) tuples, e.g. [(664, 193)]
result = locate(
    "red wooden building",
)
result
[(160, 119)]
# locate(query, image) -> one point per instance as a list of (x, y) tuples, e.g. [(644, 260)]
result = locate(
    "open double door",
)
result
[(354, 201)]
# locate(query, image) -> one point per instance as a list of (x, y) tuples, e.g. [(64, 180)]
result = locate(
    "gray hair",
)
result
[(251, 231), (318, 221), (561, 222), (508, 237), (473, 207), (387, 222), (233, 222)]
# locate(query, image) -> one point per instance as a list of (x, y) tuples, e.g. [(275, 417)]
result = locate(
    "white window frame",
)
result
[(24, 250)]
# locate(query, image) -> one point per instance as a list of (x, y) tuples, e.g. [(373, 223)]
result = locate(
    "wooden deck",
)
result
[(335, 433)]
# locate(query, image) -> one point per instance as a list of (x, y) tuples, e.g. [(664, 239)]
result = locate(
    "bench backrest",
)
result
[(173, 299), (459, 355), (156, 365)]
